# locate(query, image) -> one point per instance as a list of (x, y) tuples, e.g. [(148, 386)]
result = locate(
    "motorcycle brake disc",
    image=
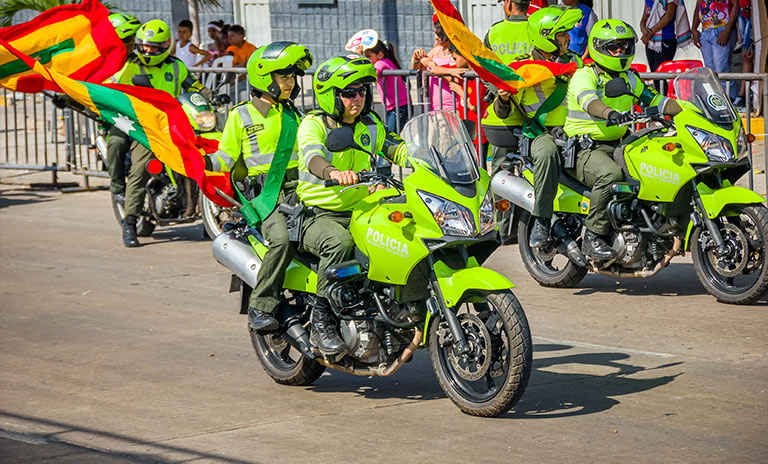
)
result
[(473, 365), (733, 264)]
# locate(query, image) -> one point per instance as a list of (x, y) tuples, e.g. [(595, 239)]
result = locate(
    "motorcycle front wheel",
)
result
[(491, 378), (546, 265), (740, 276), (214, 216)]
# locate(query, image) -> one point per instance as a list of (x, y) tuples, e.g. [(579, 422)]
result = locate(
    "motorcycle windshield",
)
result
[(702, 88), (439, 141)]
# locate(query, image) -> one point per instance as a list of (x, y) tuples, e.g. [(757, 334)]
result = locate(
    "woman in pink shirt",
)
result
[(395, 94)]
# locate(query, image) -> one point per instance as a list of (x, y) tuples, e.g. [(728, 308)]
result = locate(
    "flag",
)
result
[(485, 63), (75, 40), (151, 117)]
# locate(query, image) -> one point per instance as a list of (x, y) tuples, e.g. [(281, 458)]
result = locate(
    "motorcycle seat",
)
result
[(575, 185)]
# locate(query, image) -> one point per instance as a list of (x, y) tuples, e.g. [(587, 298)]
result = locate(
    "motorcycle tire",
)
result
[(286, 365), (746, 237), (144, 226), (214, 216), (500, 341), (542, 271)]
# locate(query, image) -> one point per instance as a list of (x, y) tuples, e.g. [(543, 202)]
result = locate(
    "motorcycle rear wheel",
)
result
[(285, 364), (491, 379), (564, 274), (144, 226), (742, 276)]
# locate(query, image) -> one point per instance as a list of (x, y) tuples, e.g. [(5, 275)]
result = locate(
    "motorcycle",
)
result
[(679, 194), (415, 281), (172, 198)]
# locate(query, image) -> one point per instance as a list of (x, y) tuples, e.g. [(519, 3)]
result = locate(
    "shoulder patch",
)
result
[(256, 128)]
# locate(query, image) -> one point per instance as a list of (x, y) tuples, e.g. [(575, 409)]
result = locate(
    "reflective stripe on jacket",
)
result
[(171, 76), (532, 98)]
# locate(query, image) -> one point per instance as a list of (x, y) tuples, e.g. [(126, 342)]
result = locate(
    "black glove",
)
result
[(208, 163), (615, 118), (221, 99)]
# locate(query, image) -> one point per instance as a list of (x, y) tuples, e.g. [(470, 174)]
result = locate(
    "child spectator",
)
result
[(717, 38), (383, 56), (185, 50), (438, 61), (222, 40), (214, 27), (241, 49), (475, 102)]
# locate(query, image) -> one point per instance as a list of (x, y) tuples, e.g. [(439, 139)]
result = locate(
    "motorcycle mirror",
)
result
[(141, 80), (616, 87), (341, 139), (471, 127)]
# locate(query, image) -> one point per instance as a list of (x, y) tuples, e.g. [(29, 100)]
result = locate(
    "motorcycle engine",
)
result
[(168, 201), (364, 340), (630, 247)]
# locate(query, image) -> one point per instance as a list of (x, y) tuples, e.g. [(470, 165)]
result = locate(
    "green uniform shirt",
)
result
[(532, 98), (369, 132), (509, 38), (587, 84), (253, 136), (171, 75)]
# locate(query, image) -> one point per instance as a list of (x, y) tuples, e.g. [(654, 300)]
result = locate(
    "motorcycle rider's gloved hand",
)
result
[(616, 117)]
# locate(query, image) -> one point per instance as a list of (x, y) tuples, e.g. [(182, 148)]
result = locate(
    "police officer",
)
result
[(343, 89), (612, 45), (508, 39), (545, 108), (117, 146), (164, 72), (251, 133)]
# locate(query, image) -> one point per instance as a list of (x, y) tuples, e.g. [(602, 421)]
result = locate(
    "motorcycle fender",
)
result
[(454, 283), (716, 200)]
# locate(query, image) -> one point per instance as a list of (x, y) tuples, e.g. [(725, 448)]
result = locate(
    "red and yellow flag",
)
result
[(151, 117), (485, 63), (76, 40)]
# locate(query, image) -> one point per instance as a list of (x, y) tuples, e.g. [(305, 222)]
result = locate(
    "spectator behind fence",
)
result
[(241, 50), (581, 31), (222, 40), (438, 61), (185, 50), (383, 57), (475, 100), (717, 38), (664, 27), (747, 47), (214, 27)]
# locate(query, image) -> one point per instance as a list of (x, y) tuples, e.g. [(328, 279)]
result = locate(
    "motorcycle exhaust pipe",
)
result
[(240, 258), (515, 189), (295, 334), (568, 245)]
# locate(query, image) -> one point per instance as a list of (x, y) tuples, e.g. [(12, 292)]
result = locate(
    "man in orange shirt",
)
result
[(241, 50)]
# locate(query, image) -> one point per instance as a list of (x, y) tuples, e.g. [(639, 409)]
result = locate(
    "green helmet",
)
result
[(199, 111), (545, 23), (338, 73), (280, 57), (616, 35), (125, 25), (156, 33)]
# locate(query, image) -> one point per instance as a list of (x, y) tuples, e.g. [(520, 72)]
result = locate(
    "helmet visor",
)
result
[(615, 48), (150, 48)]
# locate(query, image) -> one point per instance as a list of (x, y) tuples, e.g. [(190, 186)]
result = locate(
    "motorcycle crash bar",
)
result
[(515, 189), (381, 371)]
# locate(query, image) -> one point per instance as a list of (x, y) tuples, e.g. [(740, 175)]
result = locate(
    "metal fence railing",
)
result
[(36, 135)]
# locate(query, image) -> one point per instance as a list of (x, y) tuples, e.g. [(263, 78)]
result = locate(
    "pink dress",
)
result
[(438, 87), (391, 81)]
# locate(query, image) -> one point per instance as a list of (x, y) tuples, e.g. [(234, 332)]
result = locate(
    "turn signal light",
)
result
[(750, 138), (671, 146), (396, 216), (502, 205), (154, 167)]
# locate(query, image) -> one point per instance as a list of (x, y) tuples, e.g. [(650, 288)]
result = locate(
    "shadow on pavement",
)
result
[(101, 455), (22, 197), (677, 279), (552, 394), (180, 233)]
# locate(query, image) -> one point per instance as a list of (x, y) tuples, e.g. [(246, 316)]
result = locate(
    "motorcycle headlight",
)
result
[(742, 149), (487, 214), (716, 147), (205, 120), (452, 218)]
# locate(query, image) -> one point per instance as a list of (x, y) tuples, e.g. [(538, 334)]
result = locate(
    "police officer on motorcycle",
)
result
[(251, 134), (545, 109), (342, 86), (160, 71), (594, 120)]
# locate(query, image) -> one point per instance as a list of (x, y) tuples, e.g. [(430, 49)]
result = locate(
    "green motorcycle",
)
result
[(679, 195), (415, 281)]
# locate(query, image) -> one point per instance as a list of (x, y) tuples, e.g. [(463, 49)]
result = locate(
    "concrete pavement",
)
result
[(116, 355)]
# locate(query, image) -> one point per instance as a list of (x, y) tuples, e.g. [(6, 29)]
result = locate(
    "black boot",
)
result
[(323, 333), (594, 247), (540, 232), (261, 321), (130, 239)]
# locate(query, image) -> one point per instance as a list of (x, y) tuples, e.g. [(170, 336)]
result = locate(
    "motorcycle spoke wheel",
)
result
[(214, 216), (546, 265)]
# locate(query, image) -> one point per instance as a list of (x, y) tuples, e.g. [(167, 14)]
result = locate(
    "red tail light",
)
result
[(154, 167)]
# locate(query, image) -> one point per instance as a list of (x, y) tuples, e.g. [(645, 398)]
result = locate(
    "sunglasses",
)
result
[(352, 92)]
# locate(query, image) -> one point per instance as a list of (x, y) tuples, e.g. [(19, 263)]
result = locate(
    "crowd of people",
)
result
[(343, 86)]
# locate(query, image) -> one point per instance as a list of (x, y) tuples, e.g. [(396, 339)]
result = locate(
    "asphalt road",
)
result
[(116, 355)]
